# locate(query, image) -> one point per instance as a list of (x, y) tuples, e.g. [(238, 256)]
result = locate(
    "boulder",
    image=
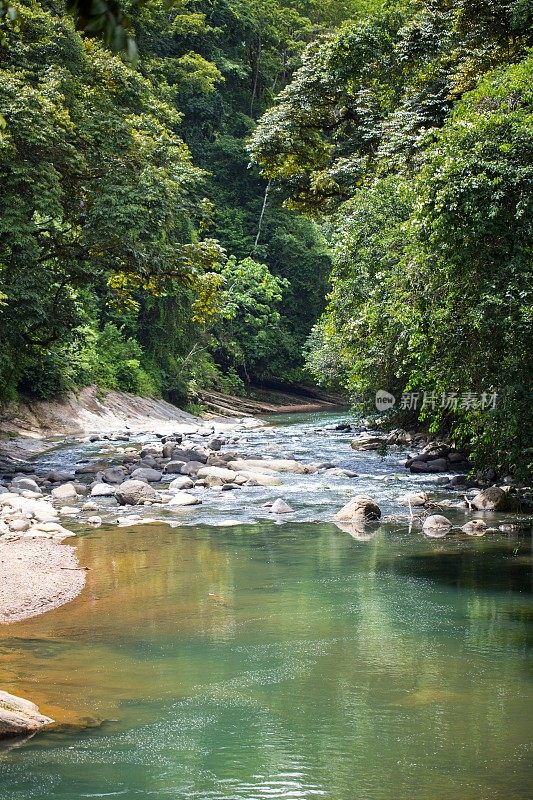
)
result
[(271, 464), (146, 474), (96, 521), (184, 499), (367, 443), (492, 499), (40, 510), (215, 444), (180, 483), (189, 454), (114, 475), (68, 511), (91, 469), (433, 465), (103, 490), (414, 499), (20, 483), (64, 492), (19, 717), (359, 507), (279, 506), (134, 493), (225, 475), (19, 525), (476, 527), (59, 477), (191, 467), (436, 522), (258, 478), (173, 467)]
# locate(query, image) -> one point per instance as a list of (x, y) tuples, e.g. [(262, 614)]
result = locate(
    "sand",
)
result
[(36, 575)]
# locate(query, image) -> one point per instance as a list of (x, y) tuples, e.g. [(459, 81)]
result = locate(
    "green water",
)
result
[(324, 667)]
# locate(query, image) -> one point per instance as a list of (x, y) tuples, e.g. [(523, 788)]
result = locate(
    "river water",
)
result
[(263, 660)]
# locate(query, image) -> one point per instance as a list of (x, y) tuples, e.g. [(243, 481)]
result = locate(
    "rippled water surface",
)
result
[(282, 660)]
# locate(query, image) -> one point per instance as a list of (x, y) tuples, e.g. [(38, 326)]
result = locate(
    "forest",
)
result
[(220, 193)]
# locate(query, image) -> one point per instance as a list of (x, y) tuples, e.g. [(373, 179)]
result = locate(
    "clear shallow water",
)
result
[(281, 661)]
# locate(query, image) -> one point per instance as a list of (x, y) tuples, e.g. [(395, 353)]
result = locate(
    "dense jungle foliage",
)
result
[(382, 228), (138, 248), (411, 132)]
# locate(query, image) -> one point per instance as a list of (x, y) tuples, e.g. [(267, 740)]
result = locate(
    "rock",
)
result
[(180, 483), (59, 477), (226, 487), (20, 483), (173, 467), (492, 499), (258, 478), (134, 493), (337, 472), (146, 474), (50, 529), (19, 525), (191, 467), (359, 507), (215, 444), (279, 506), (89, 506), (225, 475), (114, 475), (91, 469), (436, 522), (19, 717), (475, 526), (68, 511), (367, 443), (64, 492), (414, 499), (435, 465), (184, 499), (41, 510), (96, 520), (103, 490), (272, 464), (189, 454)]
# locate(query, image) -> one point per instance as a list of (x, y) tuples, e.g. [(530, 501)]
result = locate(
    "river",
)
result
[(238, 657)]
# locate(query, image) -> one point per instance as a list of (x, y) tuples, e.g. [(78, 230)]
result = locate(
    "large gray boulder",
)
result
[(436, 522), (19, 717), (492, 499), (114, 475), (20, 483), (174, 467), (135, 493), (359, 507), (146, 474), (189, 454)]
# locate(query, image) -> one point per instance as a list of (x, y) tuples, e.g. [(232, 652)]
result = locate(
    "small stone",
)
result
[(96, 521), (279, 506), (184, 499)]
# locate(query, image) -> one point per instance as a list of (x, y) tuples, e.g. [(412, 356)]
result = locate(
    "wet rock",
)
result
[(59, 477), (279, 506), (215, 444), (91, 469), (359, 507), (475, 526), (89, 506), (414, 499), (435, 465), (19, 717), (133, 492), (68, 511), (180, 483), (436, 522), (492, 499), (184, 499), (367, 442), (103, 490), (226, 487), (96, 521), (189, 454), (146, 474)]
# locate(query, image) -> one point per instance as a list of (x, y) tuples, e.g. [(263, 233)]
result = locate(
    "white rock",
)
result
[(96, 520), (273, 464), (103, 490), (184, 499), (180, 483), (279, 506), (65, 492)]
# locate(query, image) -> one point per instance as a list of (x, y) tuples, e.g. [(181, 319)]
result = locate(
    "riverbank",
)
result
[(37, 575)]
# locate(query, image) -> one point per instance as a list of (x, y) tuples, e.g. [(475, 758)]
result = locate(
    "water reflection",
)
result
[(290, 661)]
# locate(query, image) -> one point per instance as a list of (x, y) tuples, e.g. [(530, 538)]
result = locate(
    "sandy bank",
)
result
[(36, 575)]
